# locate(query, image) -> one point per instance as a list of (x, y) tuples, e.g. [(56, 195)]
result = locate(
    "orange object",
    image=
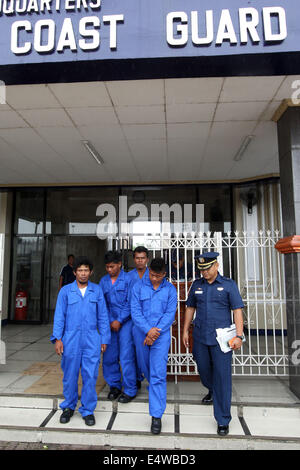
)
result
[(288, 244), (230, 342)]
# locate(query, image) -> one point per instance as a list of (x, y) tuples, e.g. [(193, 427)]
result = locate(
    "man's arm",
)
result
[(167, 317), (137, 315), (239, 324), (188, 318), (103, 319), (59, 321)]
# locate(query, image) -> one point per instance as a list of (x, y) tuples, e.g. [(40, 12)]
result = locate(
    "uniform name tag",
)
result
[(199, 292), (220, 288)]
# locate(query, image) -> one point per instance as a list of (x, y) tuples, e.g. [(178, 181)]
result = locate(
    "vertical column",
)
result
[(289, 161)]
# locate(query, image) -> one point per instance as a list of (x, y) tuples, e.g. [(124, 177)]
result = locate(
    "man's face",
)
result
[(181, 261), (82, 274), (140, 261), (210, 273), (113, 269), (156, 278), (71, 260)]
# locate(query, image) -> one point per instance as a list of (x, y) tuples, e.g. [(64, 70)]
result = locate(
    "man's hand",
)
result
[(154, 333), (185, 339), (115, 325), (103, 347), (59, 347), (148, 341), (236, 343)]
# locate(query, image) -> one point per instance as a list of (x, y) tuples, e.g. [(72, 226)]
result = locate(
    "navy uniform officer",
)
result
[(213, 297)]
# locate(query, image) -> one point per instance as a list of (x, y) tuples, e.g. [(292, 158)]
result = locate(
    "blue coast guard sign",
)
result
[(68, 30), (92, 31)]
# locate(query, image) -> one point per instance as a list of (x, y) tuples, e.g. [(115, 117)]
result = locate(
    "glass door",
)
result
[(27, 279), (48, 309)]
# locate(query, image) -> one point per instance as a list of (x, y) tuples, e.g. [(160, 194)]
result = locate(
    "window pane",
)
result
[(72, 211), (26, 288), (29, 212)]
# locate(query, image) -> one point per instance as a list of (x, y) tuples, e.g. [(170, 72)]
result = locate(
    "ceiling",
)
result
[(147, 131)]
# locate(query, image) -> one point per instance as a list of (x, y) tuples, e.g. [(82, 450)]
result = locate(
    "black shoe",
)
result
[(66, 415), (125, 398), (89, 420), (113, 393), (223, 430), (207, 400), (156, 425)]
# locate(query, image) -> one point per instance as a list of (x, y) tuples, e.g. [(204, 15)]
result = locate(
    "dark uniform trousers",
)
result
[(214, 368), (213, 303)]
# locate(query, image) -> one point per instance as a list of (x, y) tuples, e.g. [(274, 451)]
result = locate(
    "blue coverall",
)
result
[(153, 308), (133, 279), (121, 349), (213, 303), (82, 325)]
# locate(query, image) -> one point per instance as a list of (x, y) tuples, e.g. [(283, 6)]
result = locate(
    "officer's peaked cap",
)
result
[(206, 260)]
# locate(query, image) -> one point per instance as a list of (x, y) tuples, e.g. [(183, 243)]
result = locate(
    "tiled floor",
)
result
[(30, 393)]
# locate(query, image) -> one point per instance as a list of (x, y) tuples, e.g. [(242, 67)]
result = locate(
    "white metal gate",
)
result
[(254, 263)]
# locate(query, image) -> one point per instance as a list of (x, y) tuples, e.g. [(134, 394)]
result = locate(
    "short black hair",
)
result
[(158, 265), (113, 257), (69, 256), (82, 261), (141, 249)]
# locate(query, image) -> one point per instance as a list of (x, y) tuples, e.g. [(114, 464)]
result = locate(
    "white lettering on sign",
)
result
[(180, 26), (47, 38), (8, 7)]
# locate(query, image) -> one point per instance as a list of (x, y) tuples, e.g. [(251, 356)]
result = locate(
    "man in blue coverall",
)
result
[(153, 307), (120, 351), (213, 297), (141, 259), (80, 332)]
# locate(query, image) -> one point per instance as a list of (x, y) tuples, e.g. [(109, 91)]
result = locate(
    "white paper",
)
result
[(224, 335)]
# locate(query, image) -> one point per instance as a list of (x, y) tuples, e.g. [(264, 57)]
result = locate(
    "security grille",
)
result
[(254, 263)]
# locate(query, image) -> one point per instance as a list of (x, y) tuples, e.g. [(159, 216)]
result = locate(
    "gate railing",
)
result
[(253, 262)]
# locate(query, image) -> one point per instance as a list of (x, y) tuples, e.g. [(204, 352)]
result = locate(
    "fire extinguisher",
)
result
[(21, 305)]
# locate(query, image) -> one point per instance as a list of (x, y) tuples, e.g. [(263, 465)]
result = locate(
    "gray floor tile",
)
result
[(34, 356), (39, 347), (22, 383), (22, 416), (25, 402), (207, 425), (102, 419), (13, 346), (14, 366), (141, 422), (280, 422), (6, 378)]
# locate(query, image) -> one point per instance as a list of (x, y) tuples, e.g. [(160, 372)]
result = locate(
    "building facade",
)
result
[(193, 109)]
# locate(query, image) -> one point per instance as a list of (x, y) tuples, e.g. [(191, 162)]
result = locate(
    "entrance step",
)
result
[(184, 426)]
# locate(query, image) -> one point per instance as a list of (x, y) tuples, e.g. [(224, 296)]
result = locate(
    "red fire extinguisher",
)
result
[(21, 305)]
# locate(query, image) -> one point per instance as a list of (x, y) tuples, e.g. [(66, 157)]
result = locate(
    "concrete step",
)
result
[(184, 426)]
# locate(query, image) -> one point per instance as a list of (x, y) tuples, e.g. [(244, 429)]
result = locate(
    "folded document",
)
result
[(224, 335)]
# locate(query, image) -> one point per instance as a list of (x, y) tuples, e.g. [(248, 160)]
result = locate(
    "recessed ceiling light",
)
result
[(243, 148), (91, 149)]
